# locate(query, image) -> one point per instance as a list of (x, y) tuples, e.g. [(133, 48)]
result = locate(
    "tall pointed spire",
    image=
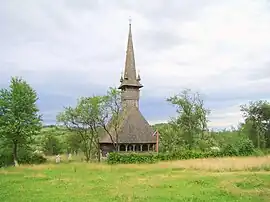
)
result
[(130, 70), (130, 76)]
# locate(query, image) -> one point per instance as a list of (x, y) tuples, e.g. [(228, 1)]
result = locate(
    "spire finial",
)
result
[(138, 76), (121, 78), (129, 20)]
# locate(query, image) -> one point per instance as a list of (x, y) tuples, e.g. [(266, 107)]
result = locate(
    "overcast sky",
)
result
[(67, 49)]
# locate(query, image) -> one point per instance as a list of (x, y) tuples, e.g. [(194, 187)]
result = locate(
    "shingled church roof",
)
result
[(132, 129)]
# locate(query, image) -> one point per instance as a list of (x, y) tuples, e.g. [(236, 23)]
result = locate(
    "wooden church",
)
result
[(134, 132)]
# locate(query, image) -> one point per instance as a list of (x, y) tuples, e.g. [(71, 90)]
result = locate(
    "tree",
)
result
[(170, 137), (74, 142), (257, 122), (19, 118), (84, 120), (192, 116), (111, 116), (51, 145)]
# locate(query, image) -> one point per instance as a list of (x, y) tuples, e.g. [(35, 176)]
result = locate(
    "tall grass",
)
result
[(224, 164)]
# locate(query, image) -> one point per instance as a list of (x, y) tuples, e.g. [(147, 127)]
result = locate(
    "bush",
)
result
[(266, 151), (37, 159), (24, 157), (30, 158), (246, 147), (230, 150), (131, 158), (128, 158), (6, 158), (258, 152)]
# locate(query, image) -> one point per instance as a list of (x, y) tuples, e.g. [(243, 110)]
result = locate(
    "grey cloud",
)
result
[(160, 10), (51, 102), (159, 39), (238, 95), (17, 24)]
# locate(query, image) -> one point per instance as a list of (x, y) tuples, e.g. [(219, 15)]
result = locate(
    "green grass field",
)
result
[(228, 179)]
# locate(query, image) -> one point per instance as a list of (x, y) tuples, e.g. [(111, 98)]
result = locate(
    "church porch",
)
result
[(124, 147), (139, 147)]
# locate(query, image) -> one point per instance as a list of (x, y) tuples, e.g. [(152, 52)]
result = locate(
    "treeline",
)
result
[(189, 129), (23, 139), (83, 125)]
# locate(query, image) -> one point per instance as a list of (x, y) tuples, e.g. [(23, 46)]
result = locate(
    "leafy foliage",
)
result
[(246, 149), (129, 158), (257, 122), (191, 122), (19, 118), (84, 120), (52, 145), (73, 141), (111, 118), (25, 156)]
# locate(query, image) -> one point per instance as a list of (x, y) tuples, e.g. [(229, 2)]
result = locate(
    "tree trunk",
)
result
[(87, 156), (117, 145), (98, 152), (15, 156), (85, 151)]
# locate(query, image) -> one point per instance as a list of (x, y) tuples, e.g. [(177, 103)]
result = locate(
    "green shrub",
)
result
[(37, 159), (24, 157), (131, 158), (266, 151), (28, 157), (246, 147), (258, 152), (128, 158), (5, 158), (230, 150)]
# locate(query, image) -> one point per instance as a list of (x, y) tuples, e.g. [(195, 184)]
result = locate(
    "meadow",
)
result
[(242, 179)]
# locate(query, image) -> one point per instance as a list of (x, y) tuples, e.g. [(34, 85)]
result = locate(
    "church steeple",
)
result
[(130, 81), (130, 76)]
